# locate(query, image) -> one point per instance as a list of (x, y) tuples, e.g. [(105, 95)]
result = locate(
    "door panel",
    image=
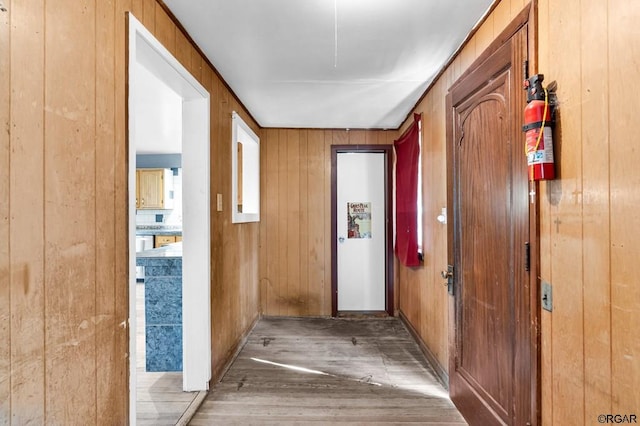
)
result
[(360, 218), (485, 333), (490, 347)]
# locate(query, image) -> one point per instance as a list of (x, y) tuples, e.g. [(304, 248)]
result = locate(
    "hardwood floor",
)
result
[(328, 371), (160, 400)]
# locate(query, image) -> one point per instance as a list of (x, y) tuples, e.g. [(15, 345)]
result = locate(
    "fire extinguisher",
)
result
[(538, 129)]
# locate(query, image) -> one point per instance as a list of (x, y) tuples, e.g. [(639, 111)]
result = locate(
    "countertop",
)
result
[(169, 251), (158, 230)]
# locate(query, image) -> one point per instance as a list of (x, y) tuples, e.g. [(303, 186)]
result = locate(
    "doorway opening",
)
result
[(147, 55), (361, 229)]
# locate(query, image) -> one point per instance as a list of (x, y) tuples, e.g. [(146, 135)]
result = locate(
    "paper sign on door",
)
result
[(359, 220)]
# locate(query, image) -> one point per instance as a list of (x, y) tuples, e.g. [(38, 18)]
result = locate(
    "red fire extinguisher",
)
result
[(538, 125)]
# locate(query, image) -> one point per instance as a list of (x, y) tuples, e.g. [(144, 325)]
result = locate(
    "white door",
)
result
[(361, 231)]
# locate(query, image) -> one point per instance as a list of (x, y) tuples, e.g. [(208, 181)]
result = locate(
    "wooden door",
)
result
[(491, 378)]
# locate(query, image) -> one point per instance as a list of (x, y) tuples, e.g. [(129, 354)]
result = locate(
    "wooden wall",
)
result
[(589, 224), (295, 226), (63, 210), (422, 295), (589, 220), (63, 216)]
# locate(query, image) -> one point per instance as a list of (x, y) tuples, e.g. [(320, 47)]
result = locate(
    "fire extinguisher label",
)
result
[(544, 153)]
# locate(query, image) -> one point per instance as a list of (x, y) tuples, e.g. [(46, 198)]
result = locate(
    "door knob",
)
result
[(448, 276)]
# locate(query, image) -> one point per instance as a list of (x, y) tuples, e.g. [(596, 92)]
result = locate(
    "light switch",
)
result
[(546, 296), (219, 202)]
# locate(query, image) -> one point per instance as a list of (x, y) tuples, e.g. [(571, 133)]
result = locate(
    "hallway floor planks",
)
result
[(327, 371)]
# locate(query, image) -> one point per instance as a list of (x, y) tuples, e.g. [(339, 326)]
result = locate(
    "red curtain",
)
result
[(407, 153)]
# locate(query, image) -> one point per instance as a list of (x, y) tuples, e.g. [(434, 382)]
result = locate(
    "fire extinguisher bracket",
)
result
[(537, 125)]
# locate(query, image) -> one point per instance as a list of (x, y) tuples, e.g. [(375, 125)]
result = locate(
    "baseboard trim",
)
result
[(192, 409), (235, 351), (441, 373)]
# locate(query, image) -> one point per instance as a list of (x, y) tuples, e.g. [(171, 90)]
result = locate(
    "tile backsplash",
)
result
[(166, 217)]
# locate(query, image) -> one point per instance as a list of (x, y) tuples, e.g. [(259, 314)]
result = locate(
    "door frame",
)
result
[(144, 50), (387, 150), (528, 16)]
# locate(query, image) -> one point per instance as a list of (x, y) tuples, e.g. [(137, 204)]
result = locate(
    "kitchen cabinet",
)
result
[(154, 189), (163, 240)]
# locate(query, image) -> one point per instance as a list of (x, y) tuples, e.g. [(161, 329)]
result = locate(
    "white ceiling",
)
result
[(328, 63)]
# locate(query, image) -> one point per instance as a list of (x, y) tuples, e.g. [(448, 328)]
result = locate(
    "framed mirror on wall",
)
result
[(245, 172)]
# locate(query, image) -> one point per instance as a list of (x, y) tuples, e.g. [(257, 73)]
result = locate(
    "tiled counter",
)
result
[(158, 230), (163, 306)]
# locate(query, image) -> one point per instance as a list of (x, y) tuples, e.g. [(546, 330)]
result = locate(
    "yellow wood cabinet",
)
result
[(153, 188), (163, 240)]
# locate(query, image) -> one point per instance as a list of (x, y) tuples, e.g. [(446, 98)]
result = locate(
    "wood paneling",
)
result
[(183, 50), (295, 226), (624, 199), (235, 289), (165, 30), (69, 192), (26, 201), (315, 252), (109, 400), (303, 176), (63, 215), (5, 276), (290, 203), (590, 348), (596, 226), (119, 378), (423, 298), (566, 211), (134, 6), (327, 243), (64, 268), (149, 14), (546, 378)]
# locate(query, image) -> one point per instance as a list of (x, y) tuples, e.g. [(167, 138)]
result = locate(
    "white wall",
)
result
[(158, 116)]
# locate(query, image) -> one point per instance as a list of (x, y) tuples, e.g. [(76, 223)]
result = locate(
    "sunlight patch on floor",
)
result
[(416, 384), (291, 367)]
